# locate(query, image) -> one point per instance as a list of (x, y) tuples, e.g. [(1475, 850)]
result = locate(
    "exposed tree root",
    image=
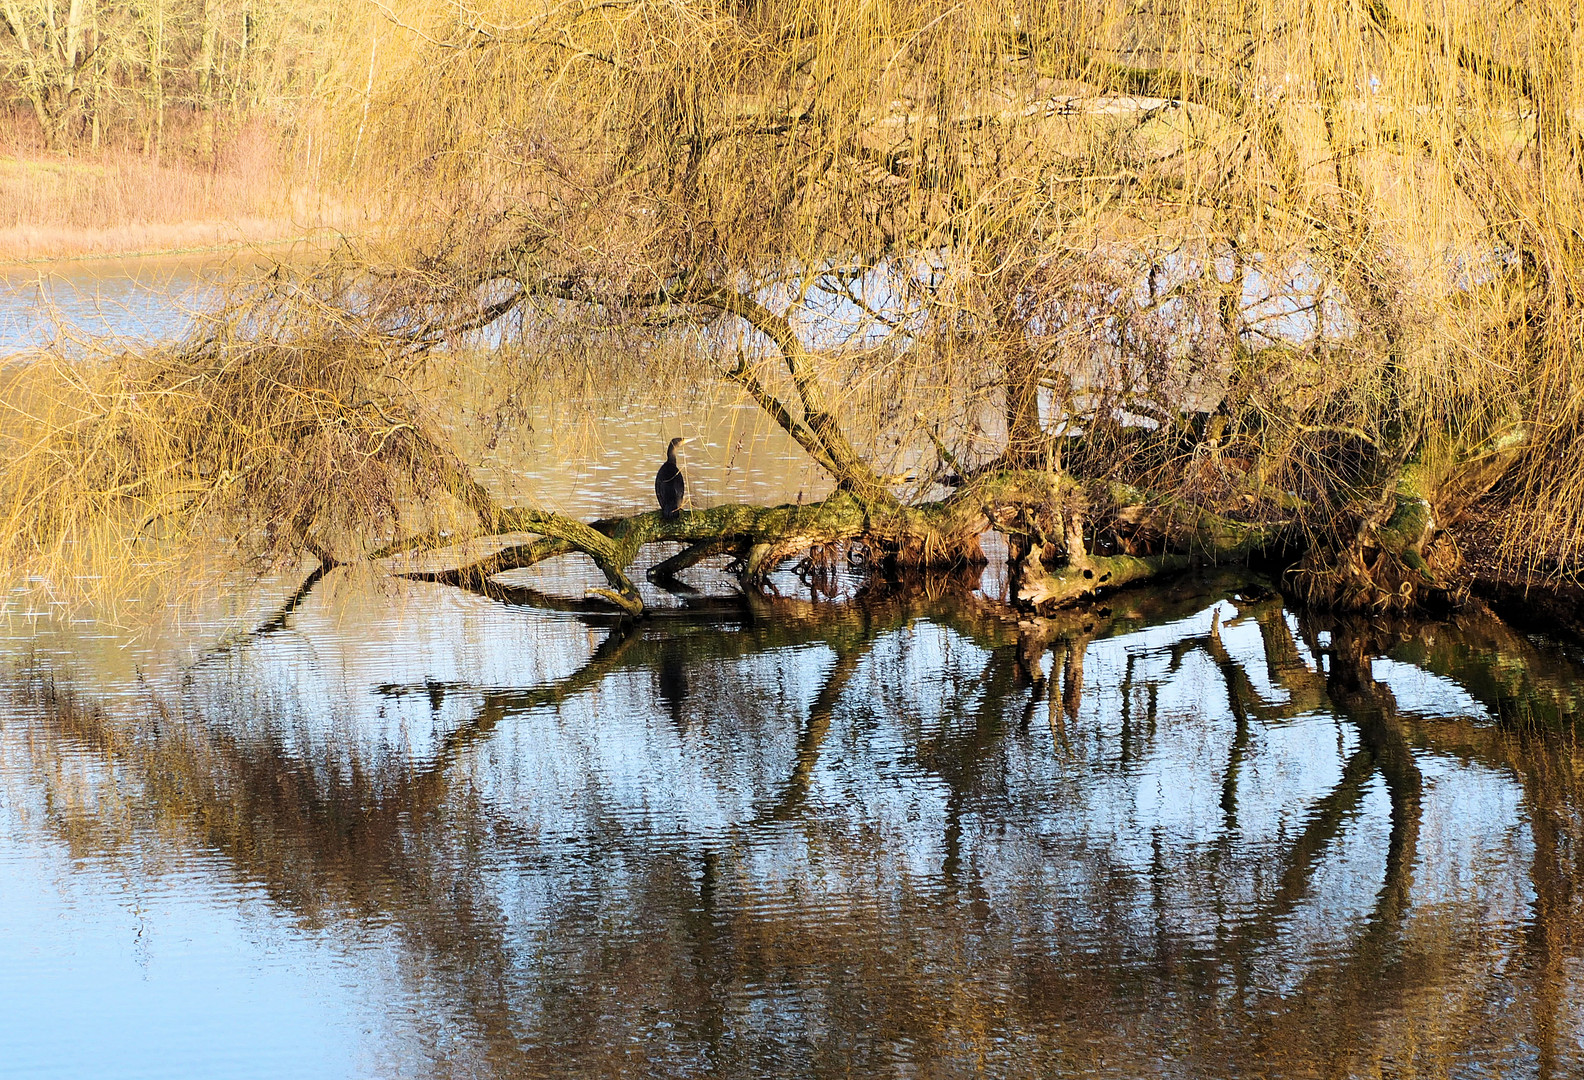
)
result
[(1401, 558)]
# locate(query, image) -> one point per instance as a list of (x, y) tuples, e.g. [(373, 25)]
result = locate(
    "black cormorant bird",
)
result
[(669, 487)]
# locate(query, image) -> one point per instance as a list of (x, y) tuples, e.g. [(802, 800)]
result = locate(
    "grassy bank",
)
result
[(118, 203)]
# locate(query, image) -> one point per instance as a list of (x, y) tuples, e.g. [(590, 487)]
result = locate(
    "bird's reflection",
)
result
[(671, 679)]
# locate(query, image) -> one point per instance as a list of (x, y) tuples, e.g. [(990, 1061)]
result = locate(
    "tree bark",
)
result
[(1030, 507)]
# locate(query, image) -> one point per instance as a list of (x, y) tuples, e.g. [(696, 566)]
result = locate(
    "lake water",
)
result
[(386, 828), (130, 300)]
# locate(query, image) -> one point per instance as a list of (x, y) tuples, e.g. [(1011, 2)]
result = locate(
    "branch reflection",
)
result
[(818, 837)]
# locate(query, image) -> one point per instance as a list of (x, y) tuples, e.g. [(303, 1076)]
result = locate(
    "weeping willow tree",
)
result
[(1134, 284)]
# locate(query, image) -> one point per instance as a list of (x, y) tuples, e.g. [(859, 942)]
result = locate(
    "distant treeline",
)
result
[(171, 77)]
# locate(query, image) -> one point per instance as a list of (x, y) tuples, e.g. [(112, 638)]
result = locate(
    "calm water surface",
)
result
[(385, 828), (130, 300), (413, 831)]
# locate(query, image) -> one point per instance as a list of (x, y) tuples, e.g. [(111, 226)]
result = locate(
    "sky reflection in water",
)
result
[(419, 832), (126, 301)]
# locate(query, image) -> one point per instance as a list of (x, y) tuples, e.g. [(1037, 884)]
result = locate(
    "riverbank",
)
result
[(40, 246), (118, 205), (1545, 594)]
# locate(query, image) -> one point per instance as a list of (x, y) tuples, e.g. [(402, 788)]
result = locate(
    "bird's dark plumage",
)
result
[(669, 486)]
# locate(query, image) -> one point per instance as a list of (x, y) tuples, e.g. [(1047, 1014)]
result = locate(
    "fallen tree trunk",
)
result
[(1041, 512), (1172, 535)]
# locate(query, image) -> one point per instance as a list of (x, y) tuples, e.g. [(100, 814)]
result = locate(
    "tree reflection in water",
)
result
[(1189, 833)]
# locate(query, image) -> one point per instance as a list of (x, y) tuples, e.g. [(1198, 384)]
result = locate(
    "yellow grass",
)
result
[(23, 244), (121, 203)]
